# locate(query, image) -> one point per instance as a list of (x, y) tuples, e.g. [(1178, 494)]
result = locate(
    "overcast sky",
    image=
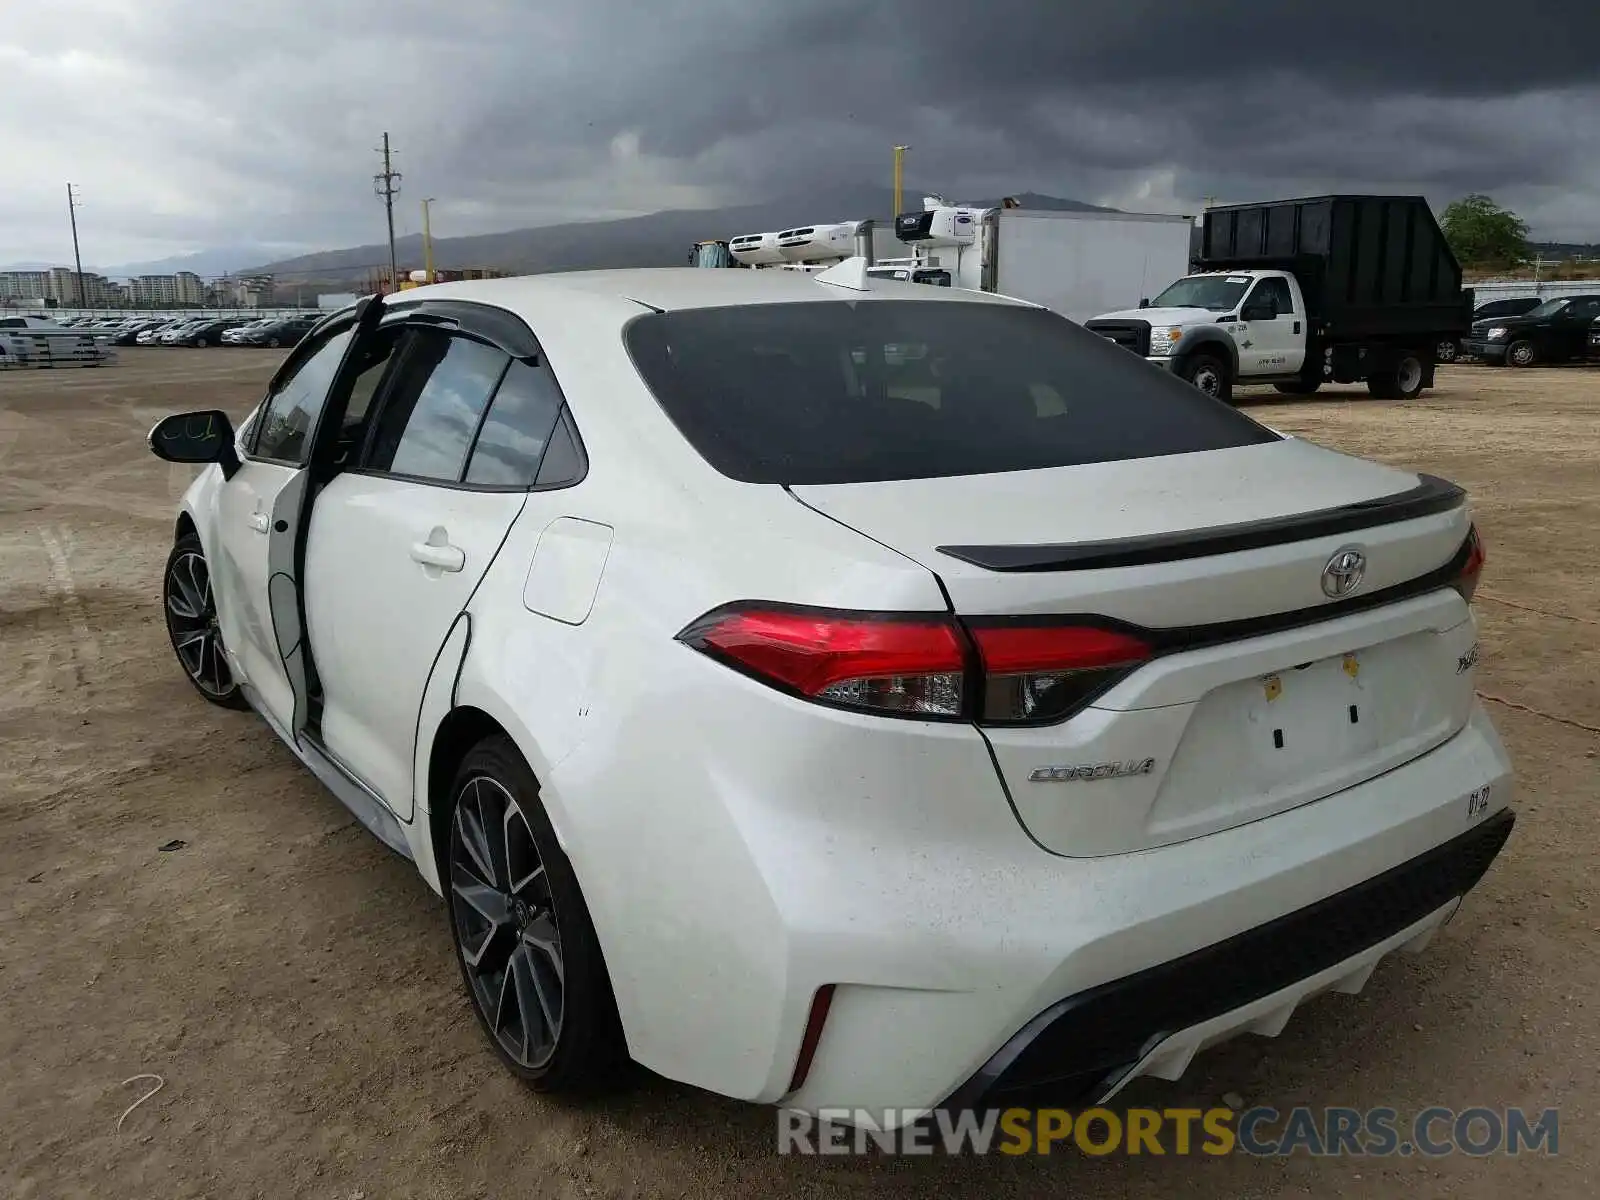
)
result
[(191, 124)]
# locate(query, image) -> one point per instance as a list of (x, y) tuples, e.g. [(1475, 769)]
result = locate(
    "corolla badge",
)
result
[(1089, 772), (1344, 572)]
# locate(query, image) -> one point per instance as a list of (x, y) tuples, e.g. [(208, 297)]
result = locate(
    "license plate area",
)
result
[(1314, 714)]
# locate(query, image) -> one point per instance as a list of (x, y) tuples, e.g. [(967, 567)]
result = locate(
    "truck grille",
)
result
[(1130, 335)]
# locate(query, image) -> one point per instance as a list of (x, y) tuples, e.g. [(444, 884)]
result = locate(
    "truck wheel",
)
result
[(1210, 375), (1447, 352), (1299, 387), (1404, 382), (1521, 353)]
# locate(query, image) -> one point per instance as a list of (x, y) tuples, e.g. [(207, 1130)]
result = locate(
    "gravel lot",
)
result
[(292, 981)]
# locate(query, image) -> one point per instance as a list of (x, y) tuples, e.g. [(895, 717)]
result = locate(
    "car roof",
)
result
[(672, 289)]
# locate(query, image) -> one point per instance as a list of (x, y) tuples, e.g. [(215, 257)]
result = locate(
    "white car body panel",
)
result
[(740, 848), (375, 655)]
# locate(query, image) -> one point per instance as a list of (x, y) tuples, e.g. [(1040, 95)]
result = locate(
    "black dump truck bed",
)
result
[(1370, 266)]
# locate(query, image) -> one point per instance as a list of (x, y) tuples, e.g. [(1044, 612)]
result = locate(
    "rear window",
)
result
[(853, 392)]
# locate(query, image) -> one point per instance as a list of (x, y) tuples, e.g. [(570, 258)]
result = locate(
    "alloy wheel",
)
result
[(192, 623), (504, 914)]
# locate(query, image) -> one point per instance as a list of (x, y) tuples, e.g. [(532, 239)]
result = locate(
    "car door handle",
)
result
[(260, 522), (445, 557)]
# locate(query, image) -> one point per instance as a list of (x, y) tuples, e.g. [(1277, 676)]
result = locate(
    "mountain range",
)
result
[(658, 239)]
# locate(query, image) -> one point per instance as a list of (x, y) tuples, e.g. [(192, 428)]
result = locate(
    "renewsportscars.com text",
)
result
[(1431, 1132)]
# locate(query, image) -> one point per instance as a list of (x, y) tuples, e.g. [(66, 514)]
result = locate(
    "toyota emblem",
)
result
[(1344, 572)]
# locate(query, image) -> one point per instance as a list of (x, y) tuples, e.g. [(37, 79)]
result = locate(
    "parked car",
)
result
[(172, 334), (152, 336), (829, 730), (285, 332), (129, 334), (1556, 331), (232, 336), (1514, 307), (206, 333)]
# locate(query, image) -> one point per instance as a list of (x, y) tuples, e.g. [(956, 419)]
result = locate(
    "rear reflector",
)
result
[(1467, 581), (906, 665), (818, 1017)]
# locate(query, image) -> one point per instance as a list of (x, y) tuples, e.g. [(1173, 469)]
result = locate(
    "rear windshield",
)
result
[(858, 391)]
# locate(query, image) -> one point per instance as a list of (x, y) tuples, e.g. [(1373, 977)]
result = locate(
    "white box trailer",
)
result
[(1074, 263)]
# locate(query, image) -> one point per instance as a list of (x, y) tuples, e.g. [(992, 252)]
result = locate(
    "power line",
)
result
[(387, 185), (74, 201)]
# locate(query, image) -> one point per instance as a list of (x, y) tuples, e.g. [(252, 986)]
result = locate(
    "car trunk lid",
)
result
[(1263, 691)]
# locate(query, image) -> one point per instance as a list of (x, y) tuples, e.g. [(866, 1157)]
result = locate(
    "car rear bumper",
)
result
[(1086, 1047), (1067, 977)]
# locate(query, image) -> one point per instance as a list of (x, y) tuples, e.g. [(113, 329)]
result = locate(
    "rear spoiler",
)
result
[(1431, 495)]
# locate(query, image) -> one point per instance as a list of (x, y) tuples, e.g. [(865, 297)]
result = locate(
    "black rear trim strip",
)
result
[(1431, 495)]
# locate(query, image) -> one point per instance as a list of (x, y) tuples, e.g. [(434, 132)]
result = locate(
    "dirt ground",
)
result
[(292, 981)]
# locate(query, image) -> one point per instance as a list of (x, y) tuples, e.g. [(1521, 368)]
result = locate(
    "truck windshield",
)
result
[(1216, 292), (852, 392), (1548, 309)]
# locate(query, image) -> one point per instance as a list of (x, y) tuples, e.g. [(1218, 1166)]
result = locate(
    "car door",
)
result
[(1570, 330), (398, 543), (275, 449), (1272, 344)]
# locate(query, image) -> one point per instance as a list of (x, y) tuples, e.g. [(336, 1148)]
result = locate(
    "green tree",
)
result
[(1483, 234)]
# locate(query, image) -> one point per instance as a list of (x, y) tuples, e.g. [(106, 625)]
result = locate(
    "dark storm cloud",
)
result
[(192, 122)]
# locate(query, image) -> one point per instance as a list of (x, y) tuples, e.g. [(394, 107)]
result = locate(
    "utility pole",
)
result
[(427, 241), (899, 177), (387, 185), (73, 202)]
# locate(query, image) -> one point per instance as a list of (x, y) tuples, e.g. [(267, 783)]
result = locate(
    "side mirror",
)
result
[(196, 437), (1258, 312), (1144, 301)]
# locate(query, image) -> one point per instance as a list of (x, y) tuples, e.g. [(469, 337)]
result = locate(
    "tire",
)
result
[(190, 610), (1447, 352), (1210, 374), (1521, 353), (1404, 382), (1299, 387), (200, 343), (274, 343), (538, 930)]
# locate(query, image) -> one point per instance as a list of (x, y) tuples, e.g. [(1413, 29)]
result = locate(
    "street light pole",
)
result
[(77, 260), (899, 177), (427, 241)]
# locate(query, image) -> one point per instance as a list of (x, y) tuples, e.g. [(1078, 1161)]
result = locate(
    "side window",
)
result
[(1275, 292), (291, 412), (514, 435), (1585, 310), (563, 462), (374, 364), (431, 412)]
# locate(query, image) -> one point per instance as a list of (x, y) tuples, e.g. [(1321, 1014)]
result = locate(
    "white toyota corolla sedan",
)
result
[(842, 693)]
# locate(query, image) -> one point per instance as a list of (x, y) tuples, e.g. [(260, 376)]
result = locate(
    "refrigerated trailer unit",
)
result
[(1077, 264)]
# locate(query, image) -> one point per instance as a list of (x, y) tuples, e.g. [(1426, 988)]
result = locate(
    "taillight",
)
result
[(1034, 673), (905, 665), (1466, 582), (927, 667)]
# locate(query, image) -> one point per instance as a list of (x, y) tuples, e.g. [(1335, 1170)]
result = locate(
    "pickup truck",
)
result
[(1556, 331), (1298, 293)]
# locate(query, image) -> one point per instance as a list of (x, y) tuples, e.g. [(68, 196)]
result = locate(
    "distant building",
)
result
[(189, 288), (24, 285), (58, 286)]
